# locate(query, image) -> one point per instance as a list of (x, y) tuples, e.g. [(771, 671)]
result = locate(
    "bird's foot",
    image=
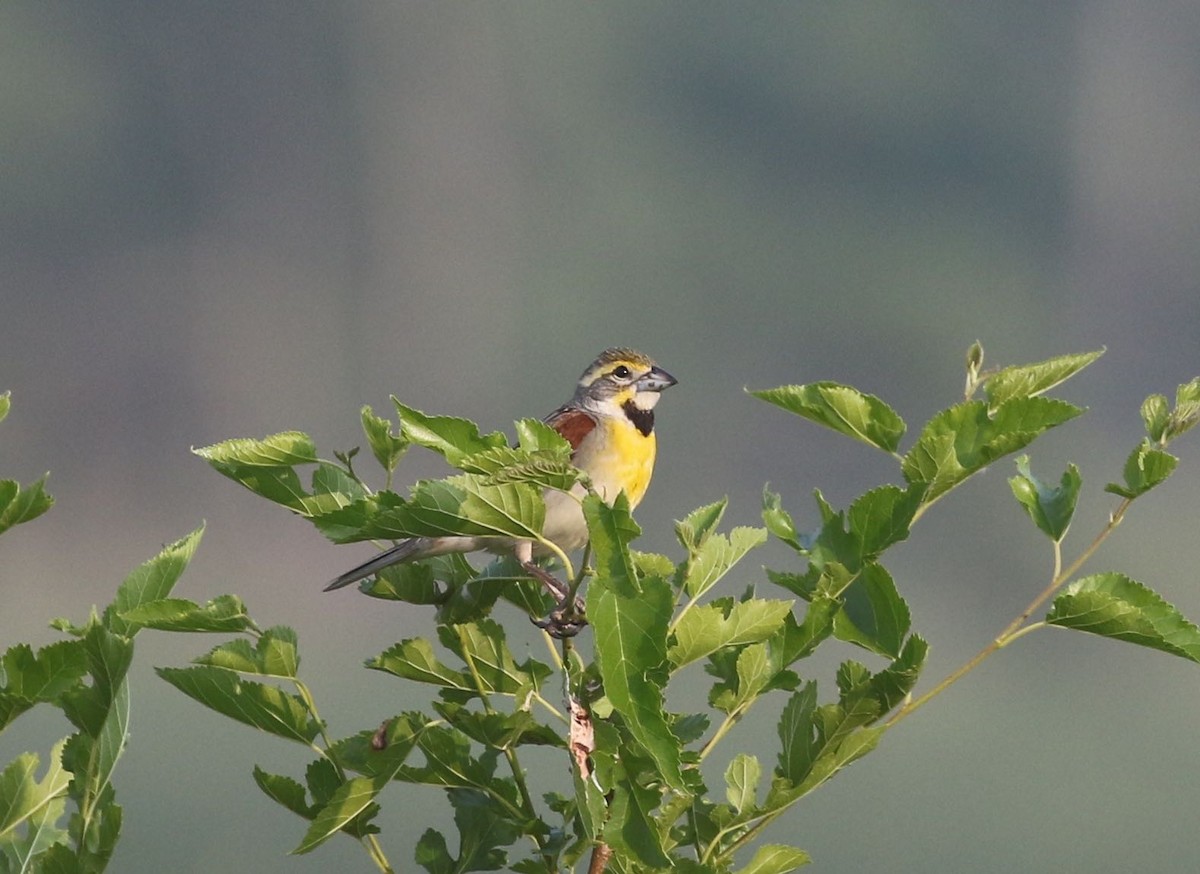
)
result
[(567, 618)]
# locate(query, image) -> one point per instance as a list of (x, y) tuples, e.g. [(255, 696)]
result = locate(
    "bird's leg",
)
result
[(566, 619)]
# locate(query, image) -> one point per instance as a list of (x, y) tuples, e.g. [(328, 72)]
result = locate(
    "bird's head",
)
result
[(620, 378)]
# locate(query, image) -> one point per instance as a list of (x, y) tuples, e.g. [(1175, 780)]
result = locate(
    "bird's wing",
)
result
[(572, 423)]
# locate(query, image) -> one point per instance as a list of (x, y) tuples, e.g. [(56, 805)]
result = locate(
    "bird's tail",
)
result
[(407, 550)]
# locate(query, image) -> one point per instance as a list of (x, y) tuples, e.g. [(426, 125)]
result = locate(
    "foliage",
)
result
[(644, 794), (643, 799), (85, 676), (20, 503)]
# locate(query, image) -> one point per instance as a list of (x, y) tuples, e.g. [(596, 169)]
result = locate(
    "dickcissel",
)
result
[(610, 426)]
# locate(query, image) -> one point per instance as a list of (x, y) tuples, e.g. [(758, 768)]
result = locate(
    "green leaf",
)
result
[(274, 654), (817, 742), (484, 827), (448, 763), (285, 449), (842, 408), (108, 745), (264, 707), (844, 748), (284, 791), (225, 613), (534, 435), (497, 730), (881, 517), (285, 489), (470, 595), (1155, 414), (152, 581), (611, 529), (631, 648), (1145, 468), (889, 687), (716, 556), (796, 726), (974, 360), (42, 831), (741, 782), (799, 640), (331, 480), (630, 829), (265, 466), (23, 796), (452, 438), (693, 530), (1028, 380), (873, 615), (707, 628), (432, 854), (1113, 605), (42, 677), (322, 779), (279, 485), (350, 800), (965, 438), (375, 517), (464, 505), (12, 706), (775, 859), (108, 656), (652, 564), (333, 489), (754, 672), (746, 673), (482, 644), (590, 796), (877, 520), (360, 752), (546, 470), (92, 756), (413, 659), (1051, 509), (277, 650), (779, 521), (1186, 414), (19, 504), (385, 446), (411, 582)]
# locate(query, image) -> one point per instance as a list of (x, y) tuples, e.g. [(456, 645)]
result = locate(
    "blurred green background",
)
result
[(229, 219)]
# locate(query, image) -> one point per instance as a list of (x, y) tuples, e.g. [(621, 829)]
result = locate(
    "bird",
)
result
[(609, 424)]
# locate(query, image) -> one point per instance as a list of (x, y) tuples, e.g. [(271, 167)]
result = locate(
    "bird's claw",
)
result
[(567, 618), (562, 623)]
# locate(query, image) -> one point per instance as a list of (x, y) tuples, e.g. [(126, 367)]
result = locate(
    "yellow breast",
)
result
[(617, 456)]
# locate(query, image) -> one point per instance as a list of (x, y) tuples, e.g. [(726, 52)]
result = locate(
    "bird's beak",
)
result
[(656, 380)]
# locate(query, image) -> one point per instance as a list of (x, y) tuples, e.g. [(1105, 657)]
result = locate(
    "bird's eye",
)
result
[(621, 372)]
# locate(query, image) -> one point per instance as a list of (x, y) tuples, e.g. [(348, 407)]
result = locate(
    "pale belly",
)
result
[(618, 464)]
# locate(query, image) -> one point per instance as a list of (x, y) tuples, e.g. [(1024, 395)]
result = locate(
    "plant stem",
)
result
[(371, 845), (601, 853), (577, 580), (370, 842), (723, 729), (1014, 629), (509, 753), (568, 568)]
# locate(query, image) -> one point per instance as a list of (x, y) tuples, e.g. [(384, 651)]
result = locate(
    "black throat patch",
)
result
[(643, 420)]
